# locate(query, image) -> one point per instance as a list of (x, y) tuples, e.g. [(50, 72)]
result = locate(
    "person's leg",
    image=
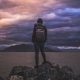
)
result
[(42, 51), (36, 55)]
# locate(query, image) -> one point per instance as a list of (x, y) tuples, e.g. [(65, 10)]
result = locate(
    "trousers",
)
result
[(39, 46)]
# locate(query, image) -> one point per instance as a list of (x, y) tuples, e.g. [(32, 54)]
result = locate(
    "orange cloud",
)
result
[(7, 18), (25, 9), (34, 6)]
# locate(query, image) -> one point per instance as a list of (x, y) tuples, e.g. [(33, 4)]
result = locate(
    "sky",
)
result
[(13, 11), (58, 15)]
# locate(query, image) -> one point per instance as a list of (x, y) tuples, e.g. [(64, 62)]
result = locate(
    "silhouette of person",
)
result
[(39, 37)]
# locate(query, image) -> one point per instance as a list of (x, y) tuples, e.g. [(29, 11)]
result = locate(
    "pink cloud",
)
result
[(27, 8)]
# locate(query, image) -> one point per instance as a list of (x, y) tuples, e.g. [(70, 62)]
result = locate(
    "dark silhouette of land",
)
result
[(24, 48)]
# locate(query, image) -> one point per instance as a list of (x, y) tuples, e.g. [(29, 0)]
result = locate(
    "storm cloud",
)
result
[(12, 11)]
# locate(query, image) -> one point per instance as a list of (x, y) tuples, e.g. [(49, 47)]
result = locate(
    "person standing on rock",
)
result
[(39, 37)]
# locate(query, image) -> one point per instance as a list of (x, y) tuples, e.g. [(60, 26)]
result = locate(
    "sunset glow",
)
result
[(12, 11), (15, 10)]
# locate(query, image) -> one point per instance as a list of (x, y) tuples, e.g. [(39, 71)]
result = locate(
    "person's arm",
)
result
[(33, 33)]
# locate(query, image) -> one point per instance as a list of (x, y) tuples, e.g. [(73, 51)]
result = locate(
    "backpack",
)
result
[(40, 33)]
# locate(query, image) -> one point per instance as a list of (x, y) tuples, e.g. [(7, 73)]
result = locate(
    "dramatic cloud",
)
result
[(49, 16), (12, 11), (65, 29), (7, 18), (15, 10), (69, 11), (71, 3), (6, 4)]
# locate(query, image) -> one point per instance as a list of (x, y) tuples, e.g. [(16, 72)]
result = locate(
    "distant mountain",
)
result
[(23, 48), (19, 48)]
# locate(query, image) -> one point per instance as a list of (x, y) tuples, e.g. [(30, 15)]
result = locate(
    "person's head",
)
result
[(40, 21)]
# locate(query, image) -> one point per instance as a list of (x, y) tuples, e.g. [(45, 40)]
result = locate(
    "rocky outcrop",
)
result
[(1, 78), (45, 71)]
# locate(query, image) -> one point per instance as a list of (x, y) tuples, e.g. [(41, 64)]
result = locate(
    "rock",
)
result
[(45, 71), (21, 71), (27, 73), (42, 72), (1, 78)]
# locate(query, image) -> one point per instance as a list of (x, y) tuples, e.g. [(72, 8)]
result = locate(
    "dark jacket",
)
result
[(34, 34)]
